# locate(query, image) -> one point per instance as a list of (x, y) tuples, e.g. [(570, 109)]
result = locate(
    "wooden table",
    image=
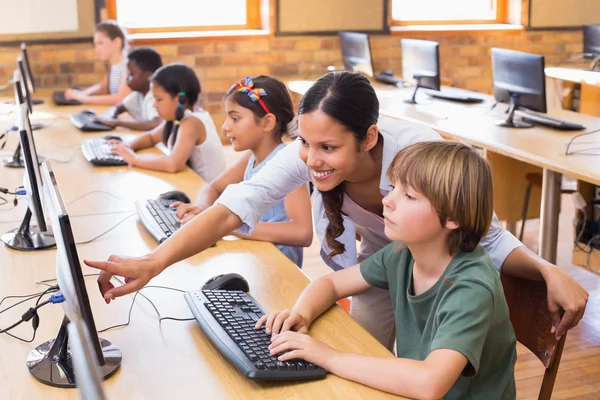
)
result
[(160, 360), (539, 147)]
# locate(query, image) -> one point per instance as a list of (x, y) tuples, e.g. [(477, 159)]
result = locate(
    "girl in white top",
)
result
[(191, 137), (110, 44), (345, 149)]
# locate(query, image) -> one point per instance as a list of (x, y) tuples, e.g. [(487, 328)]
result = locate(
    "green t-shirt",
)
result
[(464, 311)]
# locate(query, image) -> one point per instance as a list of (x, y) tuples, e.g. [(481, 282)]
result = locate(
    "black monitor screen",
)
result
[(68, 269), (521, 76), (356, 52), (24, 84), (33, 179), (421, 61), (591, 41), (29, 78)]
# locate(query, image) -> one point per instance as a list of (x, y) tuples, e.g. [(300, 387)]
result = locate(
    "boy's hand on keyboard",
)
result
[(282, 321), (185, 211), (295, 345), (124, 151)]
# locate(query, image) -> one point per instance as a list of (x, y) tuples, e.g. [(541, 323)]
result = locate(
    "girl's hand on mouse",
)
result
[(122, 150), (185, 211), (282, 321)]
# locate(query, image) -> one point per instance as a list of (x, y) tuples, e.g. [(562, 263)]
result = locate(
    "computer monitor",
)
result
[(29, 77), (24, 82), (421, 61), (520, 80), (50, 363), (21, 95), (356, 52), (89, 380), (591, 44), (30, 237)]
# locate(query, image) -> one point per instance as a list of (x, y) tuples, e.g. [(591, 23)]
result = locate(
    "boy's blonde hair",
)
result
[(456, 180)]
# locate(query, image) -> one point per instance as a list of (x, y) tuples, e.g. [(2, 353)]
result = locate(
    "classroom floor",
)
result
[(579, 372)]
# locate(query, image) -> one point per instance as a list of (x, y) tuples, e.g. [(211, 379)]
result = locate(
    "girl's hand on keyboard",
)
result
[(74, 94), (283, 321), (122, 150), (185, 211)]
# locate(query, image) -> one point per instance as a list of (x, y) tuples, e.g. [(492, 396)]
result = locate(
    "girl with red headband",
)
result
[(259, 113)]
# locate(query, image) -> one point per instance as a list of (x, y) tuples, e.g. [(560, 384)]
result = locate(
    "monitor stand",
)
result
[(510, 122), (16, 161), (413, 99), (594, 63), (29, 237), (51, 363)]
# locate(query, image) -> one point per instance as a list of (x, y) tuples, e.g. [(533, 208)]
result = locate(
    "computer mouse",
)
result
[(231, 281), (112, 137), (89, 111), (175, 195)]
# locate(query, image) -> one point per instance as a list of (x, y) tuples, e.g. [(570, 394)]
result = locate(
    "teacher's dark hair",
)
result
[(349, 99)]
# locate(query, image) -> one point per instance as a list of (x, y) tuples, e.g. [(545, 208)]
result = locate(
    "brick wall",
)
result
[(465, 59)]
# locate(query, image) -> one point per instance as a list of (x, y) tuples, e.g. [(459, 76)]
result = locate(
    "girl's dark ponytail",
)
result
[(177, 79)]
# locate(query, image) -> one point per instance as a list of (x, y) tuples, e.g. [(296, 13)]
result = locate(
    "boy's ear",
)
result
[(371, 138), (451, 225), (268, 122)]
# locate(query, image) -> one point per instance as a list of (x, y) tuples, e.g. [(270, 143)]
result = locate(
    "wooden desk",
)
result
[(172, 359), (540, 147)]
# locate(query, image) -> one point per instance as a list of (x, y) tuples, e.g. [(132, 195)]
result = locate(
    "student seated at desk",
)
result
[(110, 44), (259, 112), (454, 335), (191, 136), (142, 64)]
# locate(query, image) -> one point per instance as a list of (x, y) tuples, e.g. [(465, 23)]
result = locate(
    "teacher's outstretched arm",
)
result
[(192, 238)]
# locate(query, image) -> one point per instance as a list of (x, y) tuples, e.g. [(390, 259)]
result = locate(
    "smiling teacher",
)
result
[(345, 154)]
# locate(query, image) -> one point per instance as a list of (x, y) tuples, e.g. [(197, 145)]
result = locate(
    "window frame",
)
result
[(253, 19), (501, 18)]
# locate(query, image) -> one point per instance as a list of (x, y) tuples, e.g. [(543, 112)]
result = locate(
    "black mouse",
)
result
[(230, 281), (175, 195), (112, 137)]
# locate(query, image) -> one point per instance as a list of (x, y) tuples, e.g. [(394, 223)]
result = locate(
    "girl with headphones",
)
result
[(190, 135)]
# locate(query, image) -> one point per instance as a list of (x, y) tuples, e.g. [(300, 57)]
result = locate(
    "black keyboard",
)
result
[(60, 100), (158, 218), (454, 95), (98, 152), (541, 119), (84, 121), (388, 79), (228, 318)]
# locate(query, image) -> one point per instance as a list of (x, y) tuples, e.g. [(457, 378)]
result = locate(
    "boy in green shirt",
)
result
[(454, 336)]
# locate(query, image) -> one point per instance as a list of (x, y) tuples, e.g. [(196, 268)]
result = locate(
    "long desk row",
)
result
[(160, 360), (512, 152)]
